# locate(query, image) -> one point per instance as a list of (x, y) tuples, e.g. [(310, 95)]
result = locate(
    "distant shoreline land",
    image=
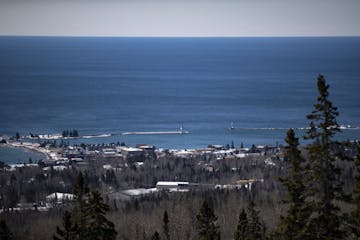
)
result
[(41, 143), (174, 132), (75, 134)]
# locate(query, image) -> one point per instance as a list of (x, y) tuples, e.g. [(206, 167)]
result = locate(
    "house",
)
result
[(216, 147), (58, 198), (173, 186), (110, 152), (139, 191), (74, 152), (184, 153), (130, 151), (148, 150)]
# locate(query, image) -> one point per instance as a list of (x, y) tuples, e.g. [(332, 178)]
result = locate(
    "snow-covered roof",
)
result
[(21, 165), (130, 149), (175, 184), (139, 191), (59, 168), (60, 196), (107, 166)]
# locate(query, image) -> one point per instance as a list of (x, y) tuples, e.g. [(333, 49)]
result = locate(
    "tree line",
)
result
[(70, 133)]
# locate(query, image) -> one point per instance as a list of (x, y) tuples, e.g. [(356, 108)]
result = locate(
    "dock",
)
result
[(156, 133)]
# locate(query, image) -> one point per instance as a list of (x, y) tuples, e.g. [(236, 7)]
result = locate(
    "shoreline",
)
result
[(27, 146), (102, 135)]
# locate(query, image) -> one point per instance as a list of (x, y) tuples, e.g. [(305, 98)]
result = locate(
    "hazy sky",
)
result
[(180, 17)]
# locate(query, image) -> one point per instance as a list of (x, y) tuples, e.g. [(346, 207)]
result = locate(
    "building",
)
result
[(58, 198), (173, 186), (74, 152), (130, 151), (148, 150)]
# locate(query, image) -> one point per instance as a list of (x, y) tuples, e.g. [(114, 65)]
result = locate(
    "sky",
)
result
[(180, 18)]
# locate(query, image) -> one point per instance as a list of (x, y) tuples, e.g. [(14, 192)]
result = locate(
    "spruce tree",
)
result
[(293, 224), (5, 233), (97, 226), (69, 231), (206, 223), (155, 236), (79, 191), (79, 187), (17, 136), (242, 226), (325, 188), (166, 229), (256, 227), (355, 214)]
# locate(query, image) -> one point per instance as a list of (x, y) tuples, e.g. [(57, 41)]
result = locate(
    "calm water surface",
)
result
[(110, 85)]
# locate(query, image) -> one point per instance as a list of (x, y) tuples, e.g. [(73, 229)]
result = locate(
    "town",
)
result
[(117, 159)]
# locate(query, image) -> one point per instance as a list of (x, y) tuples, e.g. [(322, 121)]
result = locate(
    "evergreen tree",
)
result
[(293, 223), (17, 136), (97, 226), (166, 229), (69, 231), (355, 214), (79, 191), (325, 188), (156, 236), (5, 233), (256, 228), (75, 133), (242, 226), (206, 223), (79, 187)]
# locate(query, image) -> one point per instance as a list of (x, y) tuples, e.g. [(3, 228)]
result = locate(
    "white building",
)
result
[(130, 151), (58, 198), (171, 186)]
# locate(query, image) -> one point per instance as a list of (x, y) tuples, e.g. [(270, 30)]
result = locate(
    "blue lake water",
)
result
[(15, 155), (110, 85)]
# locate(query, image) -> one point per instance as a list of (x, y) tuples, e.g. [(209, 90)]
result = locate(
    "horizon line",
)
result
[(182, 36)]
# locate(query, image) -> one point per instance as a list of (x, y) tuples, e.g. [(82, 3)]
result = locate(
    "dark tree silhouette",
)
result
[(355, 214), (69, 231), (256, 227), (97, 226), (166, 229), (325, 188), (242, 226), (206, 223), (155, 236), (79, 191), (5, 233), (293, 224)]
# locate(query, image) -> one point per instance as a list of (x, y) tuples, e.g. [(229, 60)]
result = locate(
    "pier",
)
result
[(155, 133)]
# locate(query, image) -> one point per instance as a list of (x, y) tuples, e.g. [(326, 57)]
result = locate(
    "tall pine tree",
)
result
[(325, 188), (206, 223), (5, 233), (256, 227), (293, 224), (155, 236), (97, 226), (77, 217), (69, 231), (242, 226), (87, 220), (355, 214), (166, 229)]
